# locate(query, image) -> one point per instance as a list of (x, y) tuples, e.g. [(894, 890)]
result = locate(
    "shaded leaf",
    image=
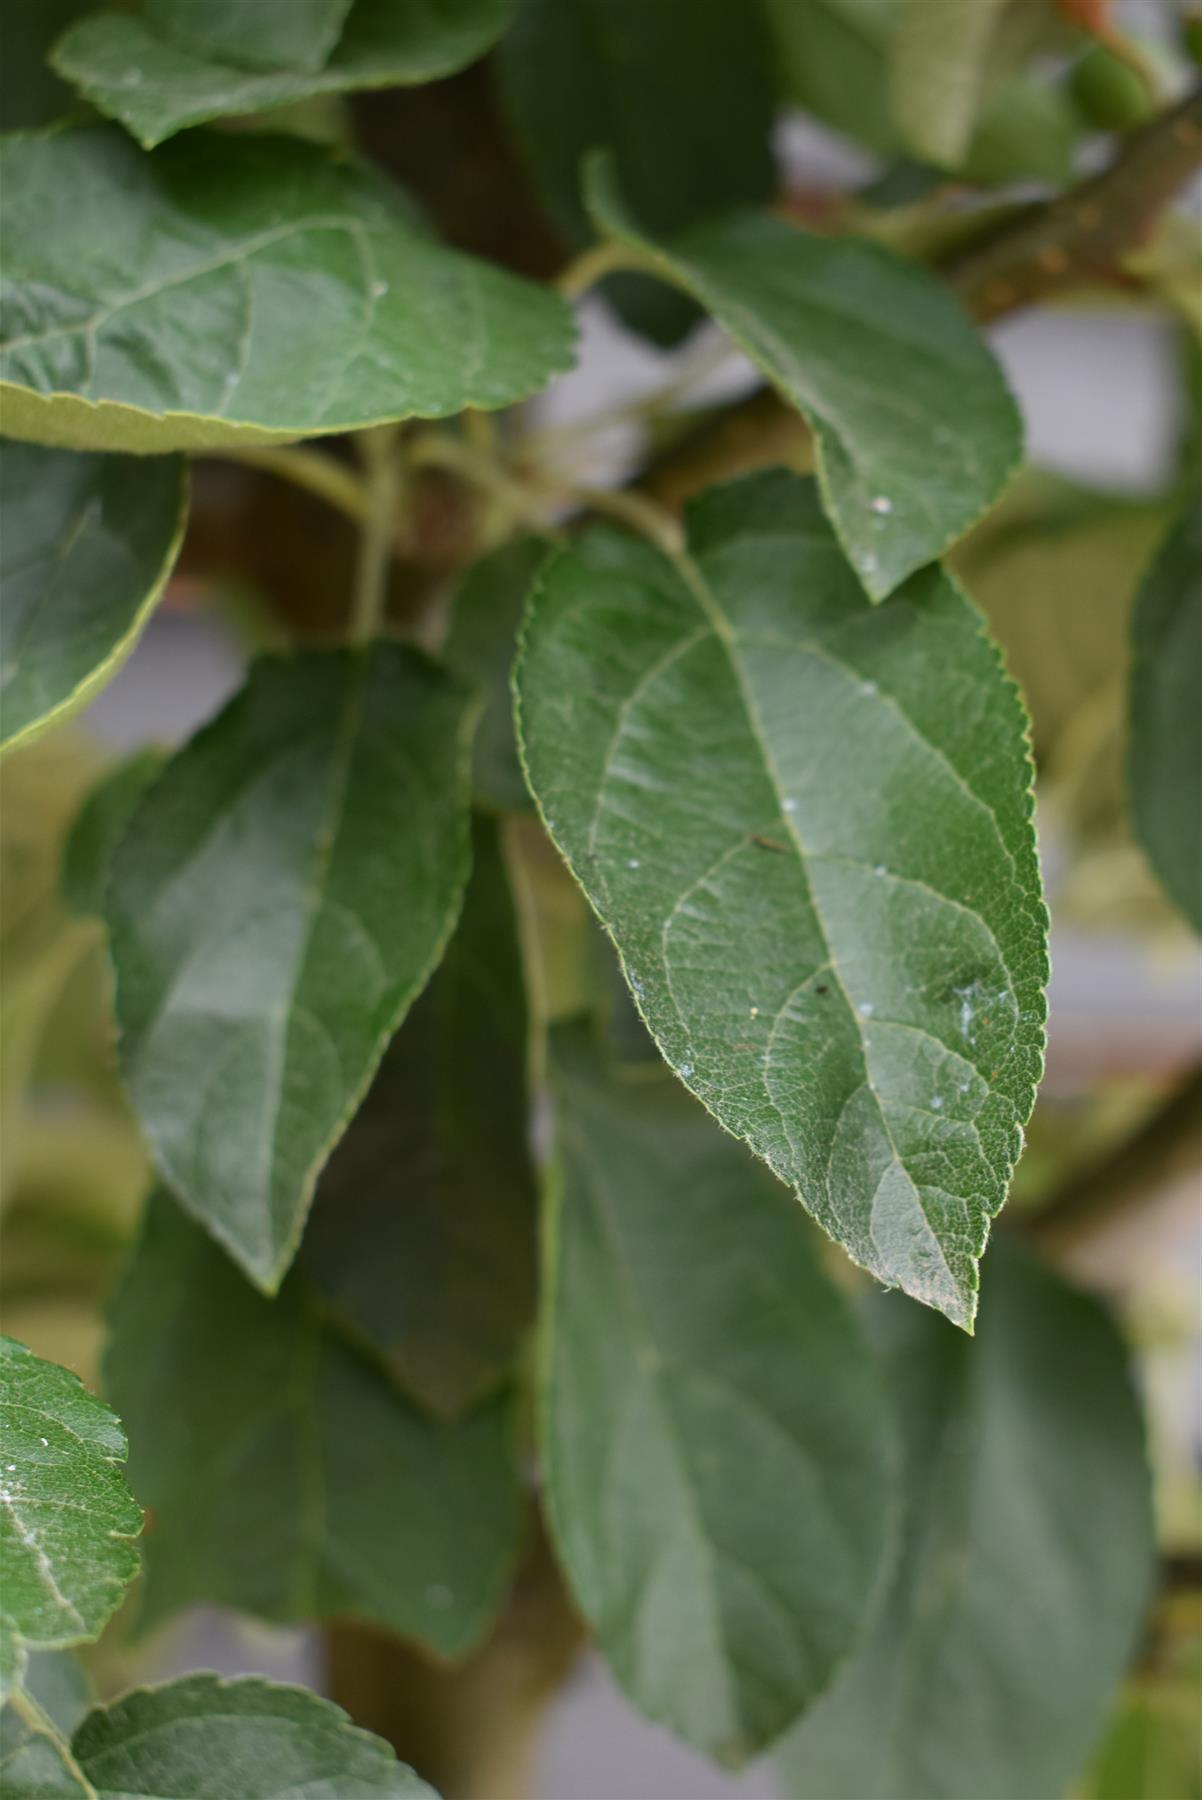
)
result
[(631, 76), (805, 822), (295, 1482), (915, 429), (67, 1518), (939, 67), (1166, 715), (1024, 1566), (86, 546), (281, 895), (191, 1737), (832, 58), (242, 290), (386, 43), (481, 644), (272, 34), (715, 1432), (99, 826), (422, 1236)]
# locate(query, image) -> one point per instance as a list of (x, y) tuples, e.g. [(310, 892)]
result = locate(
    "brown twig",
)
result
[(1080, 238), (1074, 241)]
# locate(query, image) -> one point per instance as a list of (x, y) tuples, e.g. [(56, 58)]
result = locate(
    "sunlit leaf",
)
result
[(806, 823), (229, 290), (280, 896)]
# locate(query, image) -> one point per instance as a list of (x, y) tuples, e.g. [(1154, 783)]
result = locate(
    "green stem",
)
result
[(593, 265), (312, 470), (383, 487)]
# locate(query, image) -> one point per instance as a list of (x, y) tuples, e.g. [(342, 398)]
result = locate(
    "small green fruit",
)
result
[(1109, 94)]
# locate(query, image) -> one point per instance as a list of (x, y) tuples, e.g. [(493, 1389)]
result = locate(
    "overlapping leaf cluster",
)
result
[(781, 759)]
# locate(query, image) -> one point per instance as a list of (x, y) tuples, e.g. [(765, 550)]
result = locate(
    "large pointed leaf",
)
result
[(716, 1438), (86, 544), (481, 645), (806, 823), (201, 1738), (280, 897), (1025, 1563), (67, 1518), (243, 289), (386, 43), (915, 430), (648, 81), (294, 1481), (1166, 715), (422, 1237)]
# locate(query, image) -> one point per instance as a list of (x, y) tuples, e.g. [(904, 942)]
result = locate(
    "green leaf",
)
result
[(422, 1239), (631, 76), (832, 58), (718, 1451), (940, 63), (86, 546), (99, 826), (273, 34), (190, 1738), (915, 430), (35, 1763), (481, 642), (288, 1475), (242, 290), (1024, 1565), (280, 897), (67, 1518), (386, 43), (1166, 715), (806, 823)]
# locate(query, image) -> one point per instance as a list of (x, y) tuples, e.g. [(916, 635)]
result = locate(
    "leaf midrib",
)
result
[(695, 580)]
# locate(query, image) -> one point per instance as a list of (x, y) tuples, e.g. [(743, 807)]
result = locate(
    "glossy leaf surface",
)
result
[(280, 896), (386, 43), (234, 289), (1025, 1563), (422, 1239), (296, 1482), (915, 429), (716, 1438), (67, 1518), (86, 545), (1166, 715), (806, 823)]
